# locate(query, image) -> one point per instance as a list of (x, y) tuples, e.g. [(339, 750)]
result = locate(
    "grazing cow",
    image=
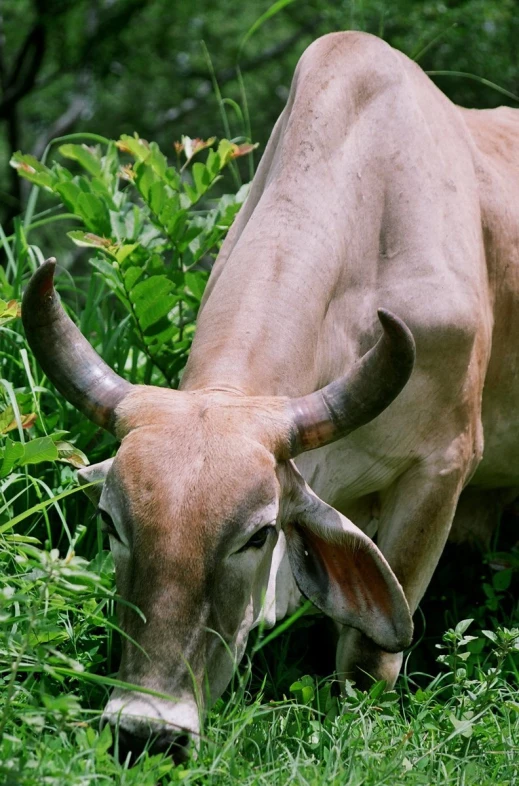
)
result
[(374, 191)]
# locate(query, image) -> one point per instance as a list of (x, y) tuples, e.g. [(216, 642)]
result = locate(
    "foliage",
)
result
[(151, 238)]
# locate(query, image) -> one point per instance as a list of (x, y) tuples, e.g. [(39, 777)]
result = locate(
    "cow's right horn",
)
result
[(66, 356), (360, 395)]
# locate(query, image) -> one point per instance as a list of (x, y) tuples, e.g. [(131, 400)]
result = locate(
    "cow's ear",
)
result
[(95, 473), (345, 575)]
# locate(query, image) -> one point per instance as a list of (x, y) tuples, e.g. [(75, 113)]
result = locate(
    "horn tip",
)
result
[(387, 318), (40, 287), (394, 326)]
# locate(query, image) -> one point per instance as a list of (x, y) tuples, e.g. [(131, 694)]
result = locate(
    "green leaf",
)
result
[(195, 282), (173, 219), (38, 450), (145, 178), (131, 276), (88, 157), (153, 301), (105, 740), (172, 178), (9, 310), (189, 235), (202, 178), (31, 169), (158, 160), (94, 213), (109, 273), (225, 152), (502, 579), (303, 689), (12, 452), (157, 197), (377, 689), (213, 163), (69, 193), (99, 189), (125, 251), (462, 626), (137, 147), (463, 727), (152, 288), (71, 454), (191, 192), (89, 240)]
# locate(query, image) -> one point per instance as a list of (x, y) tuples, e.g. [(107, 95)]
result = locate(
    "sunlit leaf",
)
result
[(9, 310), (88, 157), (71, 454), (38, 450), (30, 168), (10, 453)]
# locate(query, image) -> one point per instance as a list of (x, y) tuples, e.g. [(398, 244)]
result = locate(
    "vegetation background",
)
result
[(135, 231)]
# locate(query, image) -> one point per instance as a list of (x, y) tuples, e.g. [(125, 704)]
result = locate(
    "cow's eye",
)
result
[(107, 523), (258, 539)]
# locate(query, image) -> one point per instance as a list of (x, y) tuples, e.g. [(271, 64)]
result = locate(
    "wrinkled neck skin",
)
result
[(292, 259)]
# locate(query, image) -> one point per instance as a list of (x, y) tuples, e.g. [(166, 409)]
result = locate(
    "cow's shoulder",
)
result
[(348, 54), (348, 43)]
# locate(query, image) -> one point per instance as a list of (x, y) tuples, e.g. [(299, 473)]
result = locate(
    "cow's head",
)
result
[(200, 495)]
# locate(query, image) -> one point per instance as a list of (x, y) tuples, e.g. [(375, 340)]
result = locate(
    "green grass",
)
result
[(456, 730)]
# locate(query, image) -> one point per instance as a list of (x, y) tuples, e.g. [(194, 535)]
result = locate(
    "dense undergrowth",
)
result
[(150, 230)]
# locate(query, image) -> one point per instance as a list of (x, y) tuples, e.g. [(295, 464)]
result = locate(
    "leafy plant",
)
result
[(151, 237)]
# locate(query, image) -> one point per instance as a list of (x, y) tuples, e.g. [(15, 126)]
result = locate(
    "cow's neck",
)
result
[(291, 301), (269, 323)]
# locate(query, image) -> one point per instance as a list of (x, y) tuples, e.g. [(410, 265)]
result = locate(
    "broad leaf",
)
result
[(38, 450), (10, 454), (31, 169), (86, 156)]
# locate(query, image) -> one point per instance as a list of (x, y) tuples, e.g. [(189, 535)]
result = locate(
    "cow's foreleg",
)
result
[(415, 519)]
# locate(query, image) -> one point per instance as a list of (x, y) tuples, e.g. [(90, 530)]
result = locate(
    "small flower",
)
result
[(193, 146), (127, 172)]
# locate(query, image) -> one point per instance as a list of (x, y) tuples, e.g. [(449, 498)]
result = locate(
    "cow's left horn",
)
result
[(65, 355), (360, 395)]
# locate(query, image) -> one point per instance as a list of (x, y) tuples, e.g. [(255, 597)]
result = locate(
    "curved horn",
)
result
[(360, 395), (65, 355)]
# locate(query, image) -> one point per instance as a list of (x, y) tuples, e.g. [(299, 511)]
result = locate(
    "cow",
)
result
[(382, 224)]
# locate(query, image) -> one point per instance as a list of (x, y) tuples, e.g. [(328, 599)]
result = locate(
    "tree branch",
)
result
[(25, 69)]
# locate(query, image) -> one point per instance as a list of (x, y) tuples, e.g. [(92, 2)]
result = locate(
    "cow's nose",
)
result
[(131, 742)]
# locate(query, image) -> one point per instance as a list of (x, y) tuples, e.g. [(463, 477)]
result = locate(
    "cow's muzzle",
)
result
[(141, 723)]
